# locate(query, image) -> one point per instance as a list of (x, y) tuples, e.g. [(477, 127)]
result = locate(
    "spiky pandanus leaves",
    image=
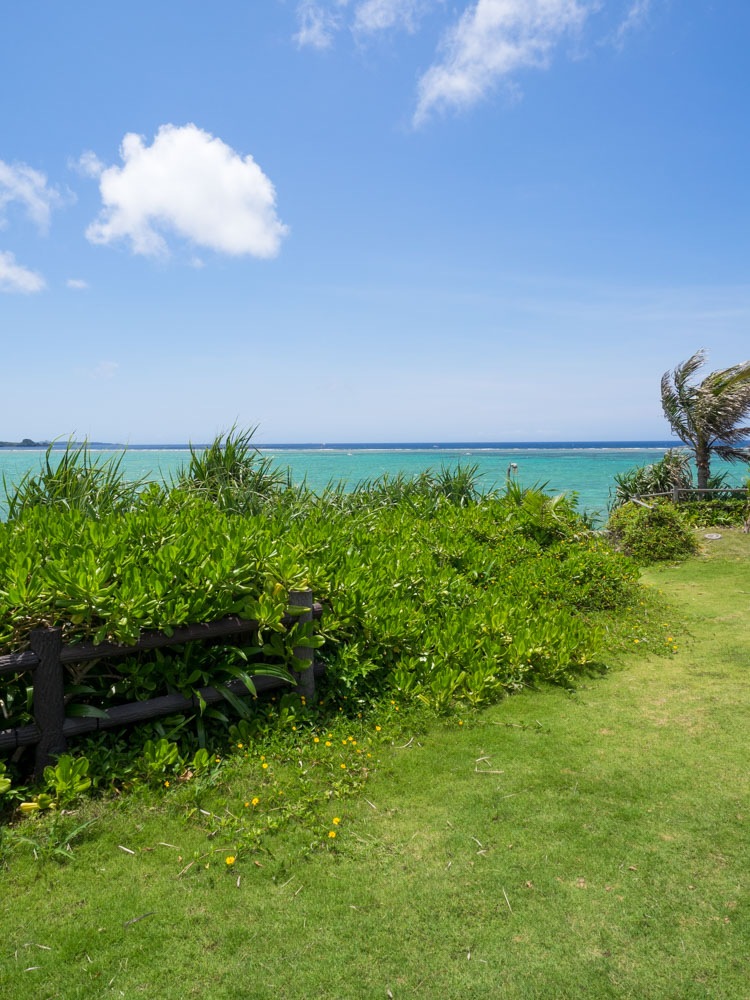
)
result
[(657, 477), (72, 478), (708, 415), (233, 474)]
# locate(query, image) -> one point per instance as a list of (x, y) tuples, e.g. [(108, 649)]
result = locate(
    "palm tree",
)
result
[(706, 415)]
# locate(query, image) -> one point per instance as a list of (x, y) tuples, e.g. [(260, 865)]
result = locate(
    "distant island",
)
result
[(26, 443)]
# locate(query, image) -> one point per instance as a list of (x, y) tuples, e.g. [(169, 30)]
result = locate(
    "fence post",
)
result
[(49, 696), (675, 494), (305, 677)]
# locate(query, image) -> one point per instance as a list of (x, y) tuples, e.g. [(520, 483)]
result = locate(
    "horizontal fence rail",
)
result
[(677, 491), (48, 656), (141, 711)]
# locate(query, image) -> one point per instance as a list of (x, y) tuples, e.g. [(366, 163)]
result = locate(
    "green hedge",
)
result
[(724, 512), (430, 591)]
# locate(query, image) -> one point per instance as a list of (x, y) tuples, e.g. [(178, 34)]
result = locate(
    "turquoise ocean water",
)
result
[(587, 468)]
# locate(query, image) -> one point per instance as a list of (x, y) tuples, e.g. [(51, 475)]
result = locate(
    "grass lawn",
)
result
[(586, 845)]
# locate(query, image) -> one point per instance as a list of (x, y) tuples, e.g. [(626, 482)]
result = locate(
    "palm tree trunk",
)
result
[(703, 464)]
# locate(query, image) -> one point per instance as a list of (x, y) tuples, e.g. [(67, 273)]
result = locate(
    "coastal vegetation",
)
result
[(708, 416), (662, 525), (73, 479), (674, 468), (431, 589), (439, 600), (651, 533), (556, 843)]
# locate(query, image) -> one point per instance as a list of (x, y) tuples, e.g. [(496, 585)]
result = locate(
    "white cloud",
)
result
[(15, 278), (379, 15), (89, 164), (492, 39), (104, 370), (317, 25), (21, 183), (489, 41), (319, 20), (634, 19), (77, 283), (190, 183)]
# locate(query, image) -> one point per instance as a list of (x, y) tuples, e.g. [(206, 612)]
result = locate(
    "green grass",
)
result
[(586, 845)]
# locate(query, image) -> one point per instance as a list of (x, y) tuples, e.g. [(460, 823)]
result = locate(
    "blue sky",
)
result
[(368, 219)]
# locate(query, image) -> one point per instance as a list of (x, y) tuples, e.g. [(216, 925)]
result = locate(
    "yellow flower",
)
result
[(240, 746), (247, 804), (230, 859), (377, 729), (255, 801), (369, 755), (166, 784), (331, 833), (460, 722), (265, 765), (343, 767), (315, 739), (336, 820), (218, 760), (294, 729), (328, 743)]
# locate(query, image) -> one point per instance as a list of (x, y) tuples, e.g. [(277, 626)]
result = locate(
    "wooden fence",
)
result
[(48, 657), (676, 493)]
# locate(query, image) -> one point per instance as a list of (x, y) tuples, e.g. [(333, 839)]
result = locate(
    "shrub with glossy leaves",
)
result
[(652, 534), (429, 587)]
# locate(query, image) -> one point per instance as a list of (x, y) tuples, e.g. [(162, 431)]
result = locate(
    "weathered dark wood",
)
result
[(48, 656), (232, 625), (141, 711), (694, 489), (49, 696), (14, 663), (306, 677)]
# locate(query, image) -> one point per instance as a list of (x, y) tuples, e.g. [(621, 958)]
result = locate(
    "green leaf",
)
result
[(235, 701), (85, 712), (271, 670)]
